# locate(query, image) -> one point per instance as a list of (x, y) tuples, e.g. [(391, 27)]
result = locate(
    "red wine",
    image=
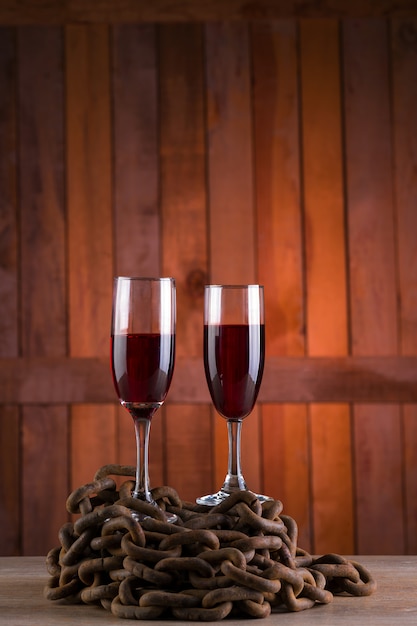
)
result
[(234, 361), (142, 366)]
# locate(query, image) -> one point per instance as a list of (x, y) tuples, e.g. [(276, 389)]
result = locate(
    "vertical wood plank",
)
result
[(43, 265), (135, 110), (231, 198), (404, 71), (88, 137), (136, 190), (9, 331), (286, 463), (42, 246), (230, 175), (285, 457), (10, 466), (410, 463), (184, 238), (45, 476), (326, 292), (377, 429), (277, 166)]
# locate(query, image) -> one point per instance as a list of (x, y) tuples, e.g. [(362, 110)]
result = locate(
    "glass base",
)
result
[(214, 499), (145, 509)]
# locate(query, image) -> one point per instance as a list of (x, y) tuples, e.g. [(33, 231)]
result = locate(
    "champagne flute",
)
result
[(234, 354), (142, 359)]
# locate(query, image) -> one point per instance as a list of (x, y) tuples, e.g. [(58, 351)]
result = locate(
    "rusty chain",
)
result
[(239, 558)]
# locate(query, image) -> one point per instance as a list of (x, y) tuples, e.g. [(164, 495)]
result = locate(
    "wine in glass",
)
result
[(234, 354), (142, 359)]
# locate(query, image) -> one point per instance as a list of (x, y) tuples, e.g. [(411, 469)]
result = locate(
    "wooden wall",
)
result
[(281, 151)]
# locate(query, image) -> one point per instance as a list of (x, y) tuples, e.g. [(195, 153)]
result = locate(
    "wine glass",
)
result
[(234, 354), (142, 359)]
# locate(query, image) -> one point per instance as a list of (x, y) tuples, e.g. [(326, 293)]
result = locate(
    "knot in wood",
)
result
[(408, 35), (195, 283)]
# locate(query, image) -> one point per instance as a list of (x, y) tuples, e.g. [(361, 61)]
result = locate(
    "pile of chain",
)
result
[(238, 559)]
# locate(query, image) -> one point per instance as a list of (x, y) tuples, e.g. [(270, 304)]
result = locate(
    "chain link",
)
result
[(237, 559)]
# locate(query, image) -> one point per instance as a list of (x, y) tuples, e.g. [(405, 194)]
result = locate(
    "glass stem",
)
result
[(234, 479), (142, 430)]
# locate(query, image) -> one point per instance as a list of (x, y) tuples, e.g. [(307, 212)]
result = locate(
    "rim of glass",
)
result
[(154, 278), (235, 286)]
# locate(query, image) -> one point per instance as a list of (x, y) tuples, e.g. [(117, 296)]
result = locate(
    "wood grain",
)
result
[(326, 280), (9, 288), (276, 102), (90, 258), (89, 188), (404, 67), (285, 463), (373, 286), (10, 489), (136, 167), (184, 239), (280, 256), (230, 174), (45, 458), (65, 11), (183, 193), (41, 192), (286, 379), (43, 297), (143, 139), (22, 581)]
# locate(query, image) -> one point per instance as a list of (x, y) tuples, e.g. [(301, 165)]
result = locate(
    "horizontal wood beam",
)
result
[(286, 379), (14, 12)]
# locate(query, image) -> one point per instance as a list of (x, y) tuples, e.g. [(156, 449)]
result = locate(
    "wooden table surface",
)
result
[(394, 603)]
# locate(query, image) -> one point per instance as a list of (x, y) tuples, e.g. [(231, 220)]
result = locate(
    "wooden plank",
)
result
[(323, 188), (22, 601), (182, 154), (184, 239), (326, 281), (42, 226), (65, 11), (277, 167), (135, 111), (286, 379), (377, 429), (230, 175), (410, 479), (45, 476), (188, 450), (9, 344), (280, 256), (8, 200), (231, 198), (93, 428), (136, 191), (404, 68), (43, 331), (89, 188), (285, 463), (10, 463)]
